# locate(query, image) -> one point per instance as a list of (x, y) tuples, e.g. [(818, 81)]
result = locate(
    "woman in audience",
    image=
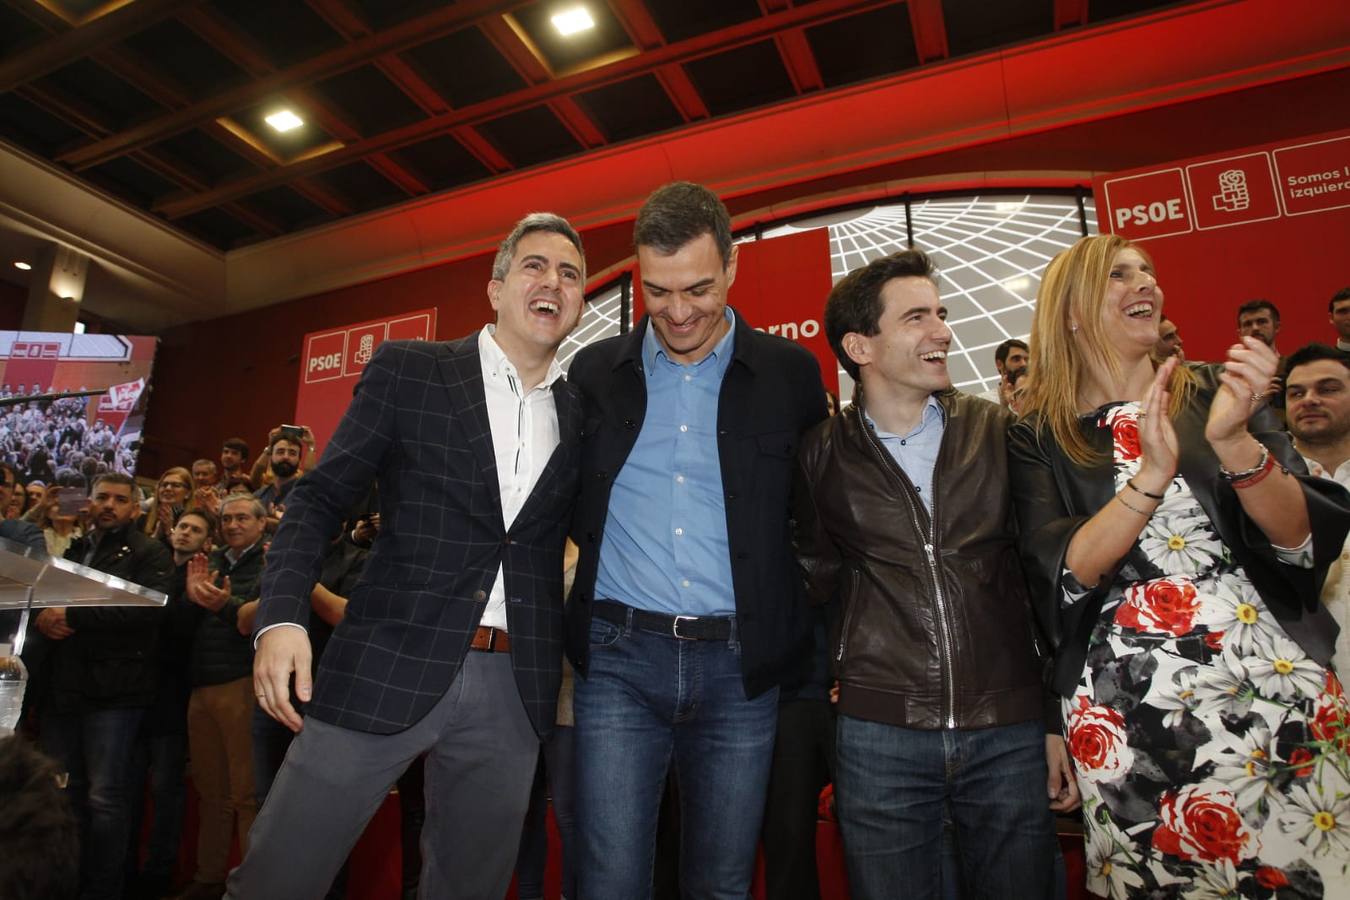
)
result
[(1175, 547), (59, 530), (173, 497)]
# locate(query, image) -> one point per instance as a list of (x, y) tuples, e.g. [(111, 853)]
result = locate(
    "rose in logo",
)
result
[(1203, 825), (1166, 605), (1097, 742)]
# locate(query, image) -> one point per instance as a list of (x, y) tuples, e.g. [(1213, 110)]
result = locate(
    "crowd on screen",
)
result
[(1130, 620)]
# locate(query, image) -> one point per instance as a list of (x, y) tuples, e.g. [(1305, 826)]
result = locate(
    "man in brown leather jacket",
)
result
[(905, 521)]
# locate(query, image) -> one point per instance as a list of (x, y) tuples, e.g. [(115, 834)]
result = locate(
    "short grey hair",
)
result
[(535, 221), (254, 504)]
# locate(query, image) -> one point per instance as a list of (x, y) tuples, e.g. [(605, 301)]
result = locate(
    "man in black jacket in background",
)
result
[(103, 672)]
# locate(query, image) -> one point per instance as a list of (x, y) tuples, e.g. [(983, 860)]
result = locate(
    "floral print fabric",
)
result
[(1213, 755)]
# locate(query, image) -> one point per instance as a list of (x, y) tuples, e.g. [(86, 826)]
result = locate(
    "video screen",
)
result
[(72, 404)]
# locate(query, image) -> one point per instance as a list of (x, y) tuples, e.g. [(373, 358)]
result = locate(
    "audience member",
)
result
[(173, 495), (160, 755), (103, 679), (941, 702), (17, 504), (1259, 319), (39, 833), (204, 474), (220, 709), (233, 458), (1317, 397), (1338, 311), (686, 564), (283, 471), (34, 490), (1169, 341)]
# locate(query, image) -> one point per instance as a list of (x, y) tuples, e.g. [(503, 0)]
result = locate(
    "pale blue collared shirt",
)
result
[(665, 543), (916, 453)]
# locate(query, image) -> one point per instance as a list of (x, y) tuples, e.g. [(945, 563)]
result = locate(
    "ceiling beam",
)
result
[(347, 22), (237, 47), (646, 35), (82, 39), (92, 124), (795, 51), (930, 29), (513, 44), (401, 37), (670, 55)]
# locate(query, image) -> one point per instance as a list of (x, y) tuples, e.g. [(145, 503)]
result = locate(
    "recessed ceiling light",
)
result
[(569, 22), (22, 265), (284, 120)]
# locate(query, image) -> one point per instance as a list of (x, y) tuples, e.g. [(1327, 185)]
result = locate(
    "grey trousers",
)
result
[(481, 755)]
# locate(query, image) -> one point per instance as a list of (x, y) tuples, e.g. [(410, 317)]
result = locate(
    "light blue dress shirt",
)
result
[(916, 453), (665, 544)]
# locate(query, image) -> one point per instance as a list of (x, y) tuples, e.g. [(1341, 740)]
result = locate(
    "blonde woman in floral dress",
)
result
[(1176, 547)]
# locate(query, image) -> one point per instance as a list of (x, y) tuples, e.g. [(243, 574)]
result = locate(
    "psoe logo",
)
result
[(794, 331)]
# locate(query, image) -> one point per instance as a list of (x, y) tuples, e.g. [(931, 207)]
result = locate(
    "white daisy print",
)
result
[(1181, 544), (1246, 766), (1215, 881), (1318, 815), (1279, 668), (1223, 688), (1239, 613), (1176, 695), (1111, 870)]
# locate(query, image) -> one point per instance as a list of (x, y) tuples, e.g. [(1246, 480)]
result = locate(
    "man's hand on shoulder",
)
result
[(281, 652)]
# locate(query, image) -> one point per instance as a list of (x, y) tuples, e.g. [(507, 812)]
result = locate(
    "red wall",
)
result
[(237, 375), (13, 299)]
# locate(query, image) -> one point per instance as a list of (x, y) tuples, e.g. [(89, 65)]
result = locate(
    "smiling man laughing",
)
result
[(451, 644), (904, 520)]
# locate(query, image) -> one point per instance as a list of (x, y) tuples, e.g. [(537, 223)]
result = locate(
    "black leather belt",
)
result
[(686, 628)]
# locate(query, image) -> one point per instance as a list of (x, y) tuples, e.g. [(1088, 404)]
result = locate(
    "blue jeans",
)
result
[(554, 778), (893, 784), (650, 700), (94, 748), (162, 760)]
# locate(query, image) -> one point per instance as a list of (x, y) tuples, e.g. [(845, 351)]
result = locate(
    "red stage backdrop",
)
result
[(333, 359), (781, 285), (1271, 221)]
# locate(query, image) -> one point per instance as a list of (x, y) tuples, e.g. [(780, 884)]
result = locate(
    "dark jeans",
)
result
[(893, 784), (649, 701), (555, 779), (160, 759), (803, 763), (94, 748)]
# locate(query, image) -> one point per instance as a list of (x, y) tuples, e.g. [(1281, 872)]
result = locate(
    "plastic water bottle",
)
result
[(13, 679)]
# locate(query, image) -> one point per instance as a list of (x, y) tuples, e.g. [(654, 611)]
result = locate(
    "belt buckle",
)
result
[(675, 627)]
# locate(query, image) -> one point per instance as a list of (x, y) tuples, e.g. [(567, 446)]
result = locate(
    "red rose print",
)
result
[(1301, 760), (1214, 640), (1126, 434), (1203, 826), (1168, 605), (1333, 685), (1097, 742), (1271, 878)]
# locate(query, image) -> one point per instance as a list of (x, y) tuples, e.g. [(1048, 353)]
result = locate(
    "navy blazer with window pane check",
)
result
[(418, 426)]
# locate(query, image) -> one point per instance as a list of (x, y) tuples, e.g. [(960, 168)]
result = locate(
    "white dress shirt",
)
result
[(1336, 589), (524, 435)]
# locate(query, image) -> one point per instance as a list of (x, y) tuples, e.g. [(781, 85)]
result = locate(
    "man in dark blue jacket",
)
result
[(687, 611)]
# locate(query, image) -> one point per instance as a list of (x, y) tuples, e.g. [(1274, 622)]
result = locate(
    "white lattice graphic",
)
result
[(599, 320), (990, 252)]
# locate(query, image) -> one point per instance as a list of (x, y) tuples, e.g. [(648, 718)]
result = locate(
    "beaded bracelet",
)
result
[(1245, 474)]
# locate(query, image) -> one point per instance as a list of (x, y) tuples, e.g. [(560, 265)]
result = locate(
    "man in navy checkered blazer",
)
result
[(452, 641)]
